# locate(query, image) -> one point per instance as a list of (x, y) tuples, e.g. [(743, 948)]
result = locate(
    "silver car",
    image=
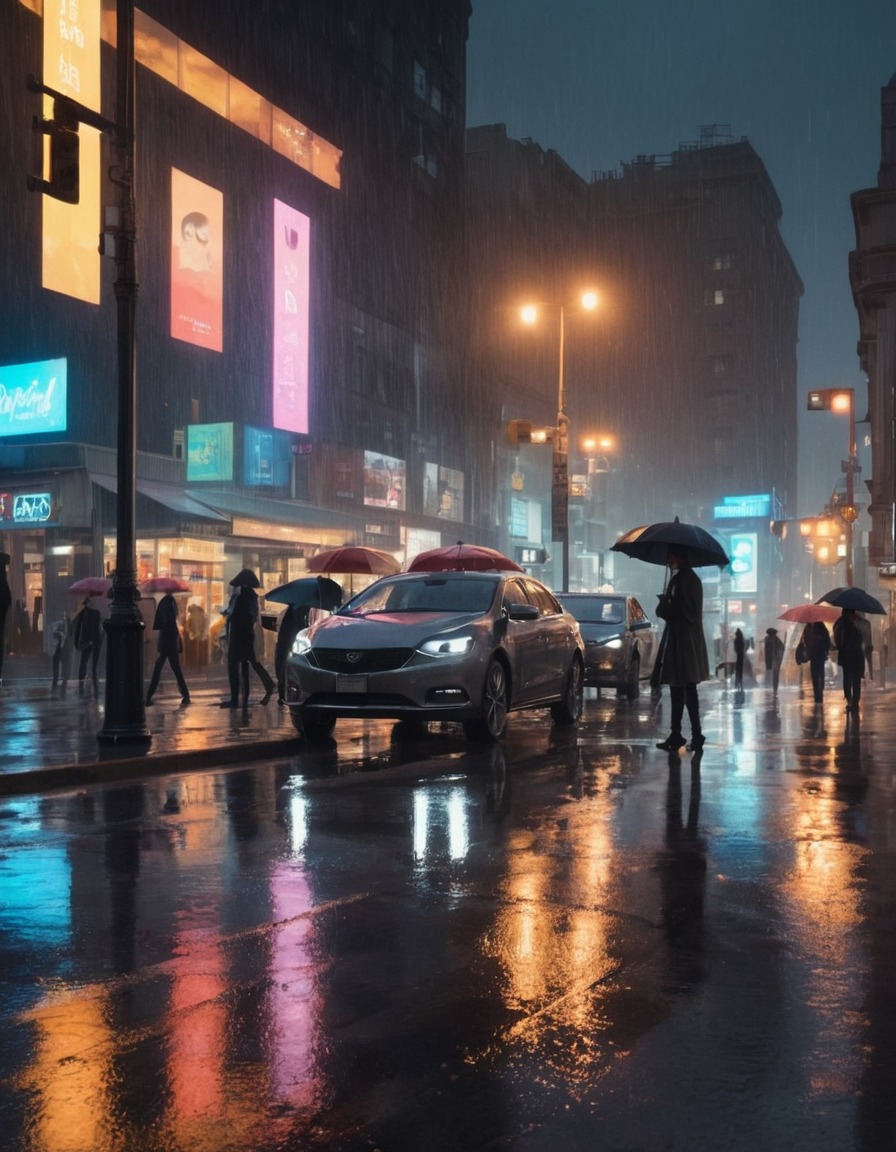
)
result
[(620, 640), (420, 646)]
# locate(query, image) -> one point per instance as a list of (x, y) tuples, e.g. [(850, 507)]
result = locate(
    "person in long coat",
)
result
[(774, 654), (87, 633), (294, 620), (817, 641), (169, 646), (683, 655), (242, 616), (850, 644)]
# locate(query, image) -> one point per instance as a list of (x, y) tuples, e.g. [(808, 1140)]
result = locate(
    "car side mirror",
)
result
[(522, 612)]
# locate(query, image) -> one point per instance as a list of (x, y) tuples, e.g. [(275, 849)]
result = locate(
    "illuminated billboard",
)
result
[(384, 481), (71, 65), (443, 492), (743, 561), (266, 457), (292, 235), (197, 262), (33, 398), (209, 452)]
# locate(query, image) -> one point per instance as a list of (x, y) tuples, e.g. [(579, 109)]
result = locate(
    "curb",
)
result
[(142, 763)]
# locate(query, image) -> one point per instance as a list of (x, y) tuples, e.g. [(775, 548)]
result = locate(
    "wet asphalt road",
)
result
[(568, 941)]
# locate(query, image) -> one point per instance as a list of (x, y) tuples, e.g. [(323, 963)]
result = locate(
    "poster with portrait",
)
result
[(197, 262)]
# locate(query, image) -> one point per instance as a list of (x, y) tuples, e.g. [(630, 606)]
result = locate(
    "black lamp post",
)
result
[(125, 714)]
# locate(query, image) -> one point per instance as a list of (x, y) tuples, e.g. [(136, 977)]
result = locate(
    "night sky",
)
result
[(601, 83)]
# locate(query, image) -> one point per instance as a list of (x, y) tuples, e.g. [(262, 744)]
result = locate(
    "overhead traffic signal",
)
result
[(65, 153)]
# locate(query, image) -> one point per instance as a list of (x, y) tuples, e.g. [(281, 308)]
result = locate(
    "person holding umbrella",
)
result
[(774, 654), (242, 616), (683, 655), (170, 647), (850, 645), (87, 633)]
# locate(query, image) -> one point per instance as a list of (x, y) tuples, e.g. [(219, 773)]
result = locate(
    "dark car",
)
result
[(621, 642), (420, 646)]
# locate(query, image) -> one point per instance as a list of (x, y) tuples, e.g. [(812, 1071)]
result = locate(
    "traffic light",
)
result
[(65, 151), (519, 432)]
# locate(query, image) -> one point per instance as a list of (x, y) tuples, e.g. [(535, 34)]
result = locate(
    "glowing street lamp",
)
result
[(840, 401), (560, 440)]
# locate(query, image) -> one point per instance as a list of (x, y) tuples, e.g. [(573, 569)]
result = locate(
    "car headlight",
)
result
[(616, 643), (300, 645), (447, 646)]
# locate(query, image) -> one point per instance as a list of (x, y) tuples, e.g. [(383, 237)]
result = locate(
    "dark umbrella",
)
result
[(308, 592), (245, 579), (856, 598), (652, 543), (462, 557)]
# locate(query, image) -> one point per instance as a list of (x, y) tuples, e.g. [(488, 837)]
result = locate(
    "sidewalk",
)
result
[(50, 740)]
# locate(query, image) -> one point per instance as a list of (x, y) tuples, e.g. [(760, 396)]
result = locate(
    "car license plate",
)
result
[(351, 683)]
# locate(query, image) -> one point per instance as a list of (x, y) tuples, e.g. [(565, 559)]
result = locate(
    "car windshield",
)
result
[(596, 609), (432, 594)]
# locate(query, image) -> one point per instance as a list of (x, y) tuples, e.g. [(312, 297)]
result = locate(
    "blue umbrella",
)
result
[(856, 598), (308, 592)]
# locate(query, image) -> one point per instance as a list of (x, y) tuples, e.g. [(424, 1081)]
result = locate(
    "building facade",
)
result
[(299, 196), (686, 371)]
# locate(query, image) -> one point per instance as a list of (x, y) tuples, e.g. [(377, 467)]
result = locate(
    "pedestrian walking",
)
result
[(87, 633), (774, 654), (740, 649), (685, 661), (850, 645), (242, 616), (170, 645), (864, 626), (62, 652), (817, 642)]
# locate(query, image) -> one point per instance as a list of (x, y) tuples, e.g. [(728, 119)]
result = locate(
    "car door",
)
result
[(523, 644), (555, 641)]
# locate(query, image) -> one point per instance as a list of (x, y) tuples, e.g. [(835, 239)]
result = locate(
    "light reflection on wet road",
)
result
[(406, 943)]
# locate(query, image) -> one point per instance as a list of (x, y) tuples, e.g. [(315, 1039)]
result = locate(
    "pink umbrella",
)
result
[(809, 613), (462, 557), (163, 584), (354, 559), (91, 586)]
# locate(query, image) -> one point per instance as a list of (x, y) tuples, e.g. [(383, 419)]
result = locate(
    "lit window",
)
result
[(419, 80)]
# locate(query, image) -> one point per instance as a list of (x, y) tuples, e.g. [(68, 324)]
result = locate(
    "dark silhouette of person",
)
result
[(62, 652), (740, 649), (293, 621), (850, 644), (817, 640), (685, 661), (774, 654), (242, 616), (87, 633), (170, 646), (5, 605)]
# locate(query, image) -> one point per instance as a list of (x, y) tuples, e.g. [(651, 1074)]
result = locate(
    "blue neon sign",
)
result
[(33, 398)]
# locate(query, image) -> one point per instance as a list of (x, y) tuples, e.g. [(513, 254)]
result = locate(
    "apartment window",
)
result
[(721, 261), (714, 296), (419, 80)]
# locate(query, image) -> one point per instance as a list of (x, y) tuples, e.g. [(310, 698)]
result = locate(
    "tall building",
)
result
[(872, 274), (299, 193), (689, 363)]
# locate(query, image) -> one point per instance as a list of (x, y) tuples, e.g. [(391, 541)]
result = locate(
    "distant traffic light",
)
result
[(65, 153), (519, 431)]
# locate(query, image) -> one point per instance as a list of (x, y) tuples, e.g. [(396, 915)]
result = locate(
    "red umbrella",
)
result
[(91, 586), (354, 559), (462, 557), (809, 613), (163, 584)]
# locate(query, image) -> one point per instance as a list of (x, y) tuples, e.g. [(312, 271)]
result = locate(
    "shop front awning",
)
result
[(250, 506), (168, 495)]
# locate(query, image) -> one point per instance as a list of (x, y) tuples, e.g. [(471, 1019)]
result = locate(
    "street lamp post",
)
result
[(125, 716), (560, 437), (841, 400)]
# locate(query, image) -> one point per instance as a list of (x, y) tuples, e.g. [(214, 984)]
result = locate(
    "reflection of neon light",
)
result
[(421, 818), (458, 837)]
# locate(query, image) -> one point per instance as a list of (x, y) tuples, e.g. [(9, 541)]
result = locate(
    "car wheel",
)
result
[(493, 716), (633, 687), (313, 727), (568, 710)]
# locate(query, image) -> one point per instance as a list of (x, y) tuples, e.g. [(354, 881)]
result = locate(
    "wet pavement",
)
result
[(407, 943)]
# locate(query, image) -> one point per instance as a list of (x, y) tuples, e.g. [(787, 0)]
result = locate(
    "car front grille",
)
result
[(375, 660)]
